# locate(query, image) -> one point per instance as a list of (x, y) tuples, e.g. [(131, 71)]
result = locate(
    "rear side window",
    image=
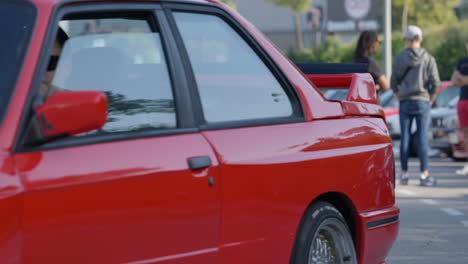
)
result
[(233, 82), (17, 21)]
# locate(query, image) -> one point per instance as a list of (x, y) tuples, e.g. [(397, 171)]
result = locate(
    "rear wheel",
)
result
[(324, 238), (458, 159)]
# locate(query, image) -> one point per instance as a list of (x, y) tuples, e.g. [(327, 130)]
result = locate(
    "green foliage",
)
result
[(296, 5), (331, 51), (432, 12), (424, 13), (231, 3), (449, 51), (446, 44)]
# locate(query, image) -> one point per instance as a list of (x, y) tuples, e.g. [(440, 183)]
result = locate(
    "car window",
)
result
[(444, 97), (387, 99), (17, 20), (336, 94), (124, 58), (233, 82)]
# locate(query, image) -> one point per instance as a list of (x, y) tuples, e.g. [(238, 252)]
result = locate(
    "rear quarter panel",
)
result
[(271, 174)]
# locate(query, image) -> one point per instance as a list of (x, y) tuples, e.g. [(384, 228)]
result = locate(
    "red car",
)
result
[(175, 132), (457, 145)]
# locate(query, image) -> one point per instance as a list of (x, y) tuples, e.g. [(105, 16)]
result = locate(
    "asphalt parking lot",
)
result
[(433, 220)]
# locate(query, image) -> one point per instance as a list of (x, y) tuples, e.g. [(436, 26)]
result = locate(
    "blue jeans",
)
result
[(410, 110)]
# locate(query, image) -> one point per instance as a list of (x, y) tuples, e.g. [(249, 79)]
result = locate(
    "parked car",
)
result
[(175, 132), (457, 145), (391, 107), (392, 115), (444, 119)]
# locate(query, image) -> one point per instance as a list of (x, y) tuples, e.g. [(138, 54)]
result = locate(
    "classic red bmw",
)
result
[(174, 132)]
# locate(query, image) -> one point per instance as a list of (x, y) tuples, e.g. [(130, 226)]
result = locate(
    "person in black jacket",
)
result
[(368, 45), (460, 78)]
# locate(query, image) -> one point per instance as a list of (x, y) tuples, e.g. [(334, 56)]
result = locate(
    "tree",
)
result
[(404, 16), (297, 6), (424, 13), (231, 3)]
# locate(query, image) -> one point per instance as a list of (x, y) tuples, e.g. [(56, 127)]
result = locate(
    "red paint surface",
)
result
[(361, 86), (391, 111), (120, 202)]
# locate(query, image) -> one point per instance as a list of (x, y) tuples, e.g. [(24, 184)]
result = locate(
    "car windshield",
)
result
[(386, 99), (17, 19), (335, 94), (452, 103), (446, 96)]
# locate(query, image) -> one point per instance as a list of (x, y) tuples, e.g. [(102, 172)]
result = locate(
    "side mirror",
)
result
[(67, 113)]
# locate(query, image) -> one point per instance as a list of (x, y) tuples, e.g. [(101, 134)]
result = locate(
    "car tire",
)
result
[(323, 237), (458, 159)]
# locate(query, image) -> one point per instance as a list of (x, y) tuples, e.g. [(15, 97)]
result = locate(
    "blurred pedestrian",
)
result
[(460, 78), (414, 82), (367, 46)]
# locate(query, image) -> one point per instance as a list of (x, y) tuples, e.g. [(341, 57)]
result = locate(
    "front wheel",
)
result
[(324, 238)]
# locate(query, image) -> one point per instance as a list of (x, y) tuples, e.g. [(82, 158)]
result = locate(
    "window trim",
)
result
[(209, 9), (112, 137), (184, 115)]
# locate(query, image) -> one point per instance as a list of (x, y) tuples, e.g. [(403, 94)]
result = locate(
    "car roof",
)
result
[(55, 2), (444, 85)]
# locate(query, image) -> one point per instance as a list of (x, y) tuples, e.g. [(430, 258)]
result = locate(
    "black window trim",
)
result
[(101, 139), (210, 9), (184, 113), (6, 107)]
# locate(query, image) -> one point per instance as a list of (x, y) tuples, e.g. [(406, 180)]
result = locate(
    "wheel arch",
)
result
[(344, 205)]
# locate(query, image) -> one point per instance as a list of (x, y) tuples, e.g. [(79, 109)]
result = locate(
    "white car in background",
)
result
[(443, 118)]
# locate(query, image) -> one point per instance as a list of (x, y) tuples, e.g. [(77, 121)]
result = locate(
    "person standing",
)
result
[(367, 46), (414, 82), (460, 78)]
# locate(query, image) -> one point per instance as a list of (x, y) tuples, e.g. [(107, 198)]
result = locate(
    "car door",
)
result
[(273, 163), (144, 188), (254, 120)]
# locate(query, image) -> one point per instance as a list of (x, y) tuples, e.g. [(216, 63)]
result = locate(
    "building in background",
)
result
[(341, 18)]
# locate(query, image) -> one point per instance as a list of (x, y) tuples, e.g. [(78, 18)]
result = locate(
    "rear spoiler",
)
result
[(361, 98), (332, 68), (352, 76)]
